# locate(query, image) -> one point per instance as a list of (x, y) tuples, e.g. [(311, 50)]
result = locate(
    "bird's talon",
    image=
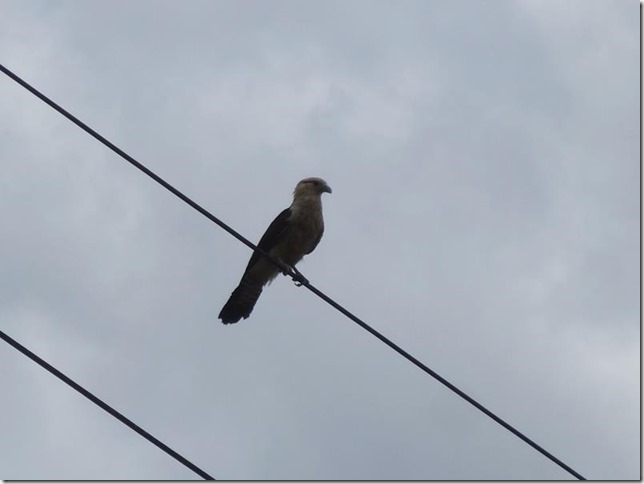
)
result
[(299, 279)]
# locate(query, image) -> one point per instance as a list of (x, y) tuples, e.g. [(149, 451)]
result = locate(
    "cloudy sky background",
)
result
[(484, 159)]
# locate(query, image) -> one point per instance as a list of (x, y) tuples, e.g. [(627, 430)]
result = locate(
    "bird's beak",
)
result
[(327, 189)]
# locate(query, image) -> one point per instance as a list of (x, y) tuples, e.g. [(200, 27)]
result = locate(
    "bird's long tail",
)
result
[(241, 301)]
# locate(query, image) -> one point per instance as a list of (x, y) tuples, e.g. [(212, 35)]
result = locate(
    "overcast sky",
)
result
[(484, 160)]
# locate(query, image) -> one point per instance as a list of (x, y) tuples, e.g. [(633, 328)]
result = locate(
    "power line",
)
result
[(294, 275), (94, 399)]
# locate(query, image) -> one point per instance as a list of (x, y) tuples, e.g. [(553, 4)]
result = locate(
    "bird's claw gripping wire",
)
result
[(299, 278), (296, 275)]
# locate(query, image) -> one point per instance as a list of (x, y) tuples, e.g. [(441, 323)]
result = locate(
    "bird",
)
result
[(294, 233)]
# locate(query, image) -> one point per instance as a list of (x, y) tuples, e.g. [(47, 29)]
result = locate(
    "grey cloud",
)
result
[(485, 216)]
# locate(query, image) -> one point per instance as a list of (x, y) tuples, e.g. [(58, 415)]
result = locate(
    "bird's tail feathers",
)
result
[(241, 301)]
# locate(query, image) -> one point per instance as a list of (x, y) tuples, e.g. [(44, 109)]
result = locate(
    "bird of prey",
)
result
[(294, 233)]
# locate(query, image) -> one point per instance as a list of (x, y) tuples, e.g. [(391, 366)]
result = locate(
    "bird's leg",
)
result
[(299, 278), (284, 268), (287, 270)]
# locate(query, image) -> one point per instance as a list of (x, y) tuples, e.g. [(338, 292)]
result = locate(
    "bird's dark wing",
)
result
[(316, 242), (271, 237)]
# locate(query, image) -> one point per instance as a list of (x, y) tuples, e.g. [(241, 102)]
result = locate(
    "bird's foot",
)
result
[(298, 278), (296, 275)]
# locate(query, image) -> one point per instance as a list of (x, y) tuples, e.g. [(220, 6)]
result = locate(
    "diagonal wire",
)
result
[(94, 399), (295, 276)]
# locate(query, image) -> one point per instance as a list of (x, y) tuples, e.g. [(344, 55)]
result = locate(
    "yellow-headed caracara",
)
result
[(294, 233)]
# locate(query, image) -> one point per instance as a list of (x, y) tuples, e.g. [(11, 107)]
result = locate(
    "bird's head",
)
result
[(311, 186)]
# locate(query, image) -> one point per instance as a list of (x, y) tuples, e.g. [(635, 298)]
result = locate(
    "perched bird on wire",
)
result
[(293, 234)]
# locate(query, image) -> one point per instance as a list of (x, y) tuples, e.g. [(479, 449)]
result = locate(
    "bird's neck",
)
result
[(306, 204)]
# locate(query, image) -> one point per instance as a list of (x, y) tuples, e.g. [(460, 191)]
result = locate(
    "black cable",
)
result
[(449, 385), (295, 276), (144, 169), (105, 406)]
